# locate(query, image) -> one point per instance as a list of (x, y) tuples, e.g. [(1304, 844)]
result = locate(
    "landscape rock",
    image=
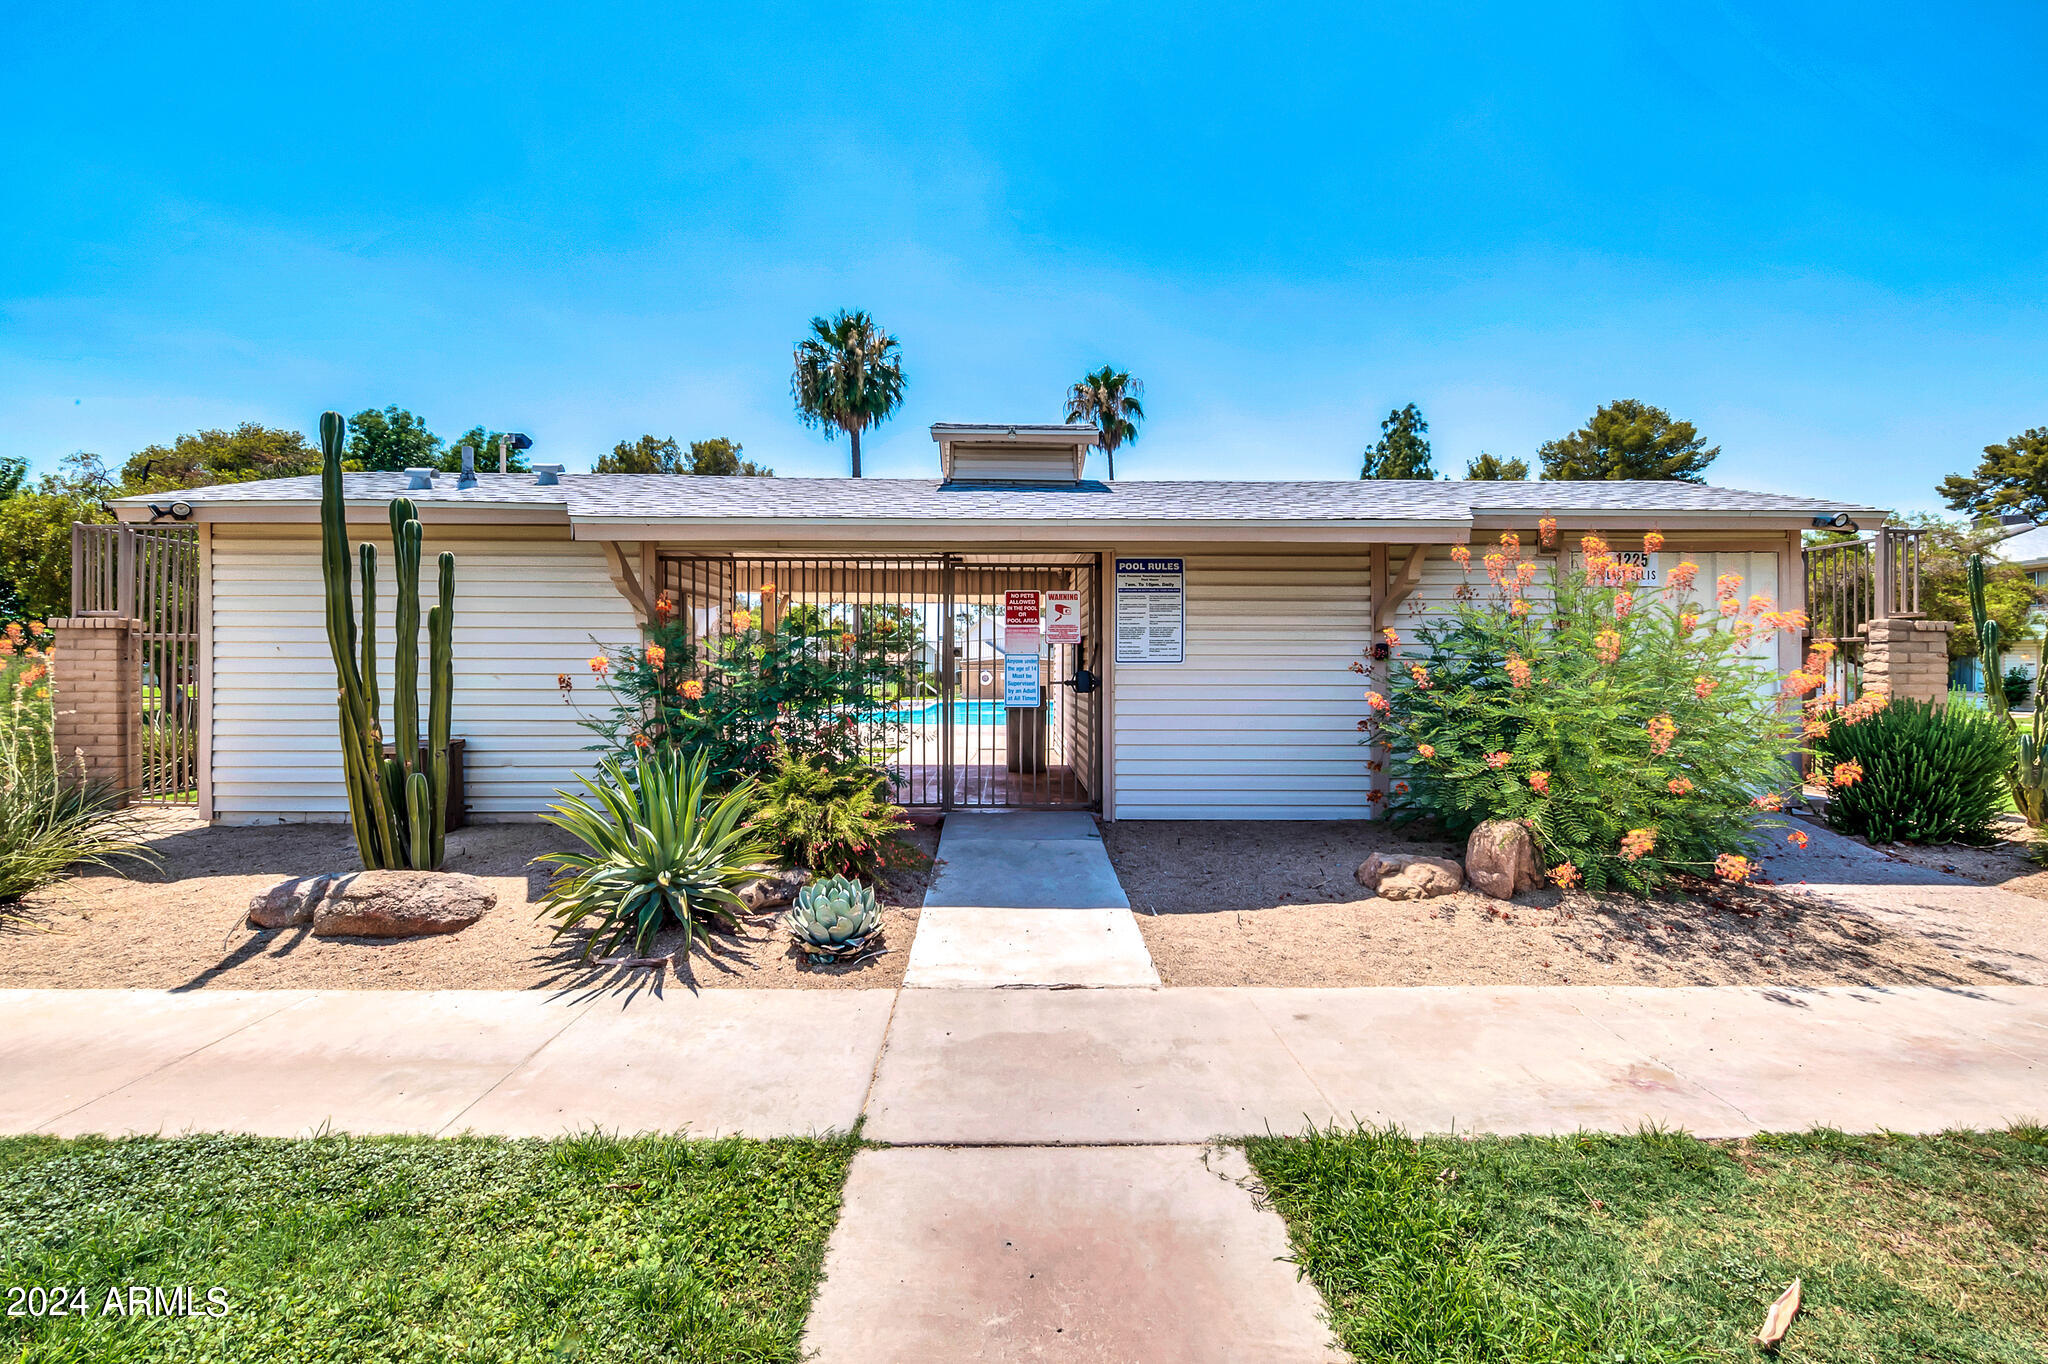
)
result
[(1410, 876), (289, 902), (1500, 859), (775, 889), (401, 904)]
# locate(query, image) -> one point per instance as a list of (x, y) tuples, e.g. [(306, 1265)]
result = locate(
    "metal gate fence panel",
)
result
[(939, 728), (150, 574)]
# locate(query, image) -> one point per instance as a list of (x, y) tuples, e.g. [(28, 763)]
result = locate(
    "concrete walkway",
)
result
[(1026, 899)]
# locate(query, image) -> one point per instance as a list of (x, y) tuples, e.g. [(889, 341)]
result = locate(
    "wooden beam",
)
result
[(626, 580), (1399, 587)]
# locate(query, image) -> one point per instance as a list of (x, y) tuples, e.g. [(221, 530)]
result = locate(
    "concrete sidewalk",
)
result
[(1023, 1066)]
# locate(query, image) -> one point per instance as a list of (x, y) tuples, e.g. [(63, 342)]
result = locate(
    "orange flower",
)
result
[(1703, 686), (1594, 548), (1420, 674), (847, 639), (1688, 621), (1392, 637), (1564, 876), (1539, 782), (1824, 647), (743, 619), (1377, 702), (657, 657), (1525, 573), (1732, 867), (14, 630), (1636, 843), (1769, 801), (1662, 731), (664, 606), (1425, 750), (1357, 667), (562, 681), (1679, 786), (1546, 532), (600, 665), (1497, 761), (1797, 839), (1846, 774), (1519, 608), (1761, 602), (1791, 622), (1729, 606), (641, 741), (1814, 729), (1800, 682), (1400, 788), (1462, 557), (1742, 631), (1683, 575), (1608, 644), (767, 589), (1654, 541), (1728, 585), (1511, 544), (1624, 602), (693, 689), (1518, 670)]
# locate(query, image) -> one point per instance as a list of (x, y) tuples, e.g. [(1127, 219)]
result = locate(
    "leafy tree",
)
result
[(2009, 594), (848, 377), (2012, 477), (392, 441), (1115, 402), (1402, 450), (1494, 469), (35, 551), (662, 455), (81, 476), (485, 443), (250, 451), (13, 475), (1630, 439)]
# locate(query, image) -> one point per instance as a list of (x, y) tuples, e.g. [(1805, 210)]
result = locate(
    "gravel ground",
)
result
[(1276, 904), (180, 925)]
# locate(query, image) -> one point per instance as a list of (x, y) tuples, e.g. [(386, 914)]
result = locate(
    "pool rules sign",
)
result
[(1151, 611), (1022, 641)]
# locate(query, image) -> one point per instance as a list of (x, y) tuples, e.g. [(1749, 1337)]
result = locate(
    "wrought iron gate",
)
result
[(150, 574), (941, 726), (1850, 583)]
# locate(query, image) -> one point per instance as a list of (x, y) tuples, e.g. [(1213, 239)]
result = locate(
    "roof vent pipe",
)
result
[(547, 475), (467, 479), (416, 479)]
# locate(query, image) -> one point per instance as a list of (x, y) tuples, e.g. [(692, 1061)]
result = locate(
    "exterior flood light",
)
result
[(1839, 521)]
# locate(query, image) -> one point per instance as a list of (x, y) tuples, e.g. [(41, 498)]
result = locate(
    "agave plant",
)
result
[(659, 854), (835, 919)]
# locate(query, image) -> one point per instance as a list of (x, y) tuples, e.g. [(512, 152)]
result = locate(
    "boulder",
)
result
[(1410, 876), (1500, 859), (774, 889), (289, 902), (401, 904)]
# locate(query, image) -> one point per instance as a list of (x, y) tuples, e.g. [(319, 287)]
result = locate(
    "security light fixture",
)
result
[(177, 511), (1839, 521)]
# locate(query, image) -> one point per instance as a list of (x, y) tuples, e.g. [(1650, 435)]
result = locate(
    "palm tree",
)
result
[(849, 376), (1114, 401)]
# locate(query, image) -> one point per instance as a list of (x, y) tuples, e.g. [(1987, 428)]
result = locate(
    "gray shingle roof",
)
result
[(636, 497)]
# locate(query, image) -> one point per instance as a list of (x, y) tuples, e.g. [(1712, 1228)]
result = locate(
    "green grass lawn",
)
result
[(415, 1249), (1662, 1247)]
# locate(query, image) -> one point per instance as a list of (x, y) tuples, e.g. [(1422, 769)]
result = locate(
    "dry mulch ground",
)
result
[(1276, 904), (2004, 863), (180, 925)]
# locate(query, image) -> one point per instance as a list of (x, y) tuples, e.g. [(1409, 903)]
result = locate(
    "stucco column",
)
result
[(1906, 658), (95, 690)]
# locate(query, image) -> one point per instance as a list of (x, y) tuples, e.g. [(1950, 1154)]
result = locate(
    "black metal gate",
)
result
[(150, 574), (943, 726)]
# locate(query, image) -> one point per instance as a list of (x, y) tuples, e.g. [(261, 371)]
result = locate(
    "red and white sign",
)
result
[(1063, 618), (1020, 610)]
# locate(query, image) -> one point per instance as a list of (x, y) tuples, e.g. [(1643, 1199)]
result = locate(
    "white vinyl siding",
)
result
[(526, 611), (1261, 721)]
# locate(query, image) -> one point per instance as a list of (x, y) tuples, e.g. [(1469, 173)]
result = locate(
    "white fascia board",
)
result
[(1089, 532)]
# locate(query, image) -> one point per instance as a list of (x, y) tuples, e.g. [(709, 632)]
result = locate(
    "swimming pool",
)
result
[(927, 713)]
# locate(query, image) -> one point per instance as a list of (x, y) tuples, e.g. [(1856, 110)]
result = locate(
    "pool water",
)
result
[(927, 712)]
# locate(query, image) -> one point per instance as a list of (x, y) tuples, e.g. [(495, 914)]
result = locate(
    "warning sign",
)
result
[(1020, 610), (1063, 618)]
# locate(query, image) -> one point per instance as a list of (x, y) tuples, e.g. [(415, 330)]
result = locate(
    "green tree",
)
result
[(1630, 439), (2009, 594), (391, 441), (2012, 477), (662, 455), (13, 475), (1115, 403), (35, 551), (1402, 450), (848, 377), (1494, 469), (250, 451), (485, 443)]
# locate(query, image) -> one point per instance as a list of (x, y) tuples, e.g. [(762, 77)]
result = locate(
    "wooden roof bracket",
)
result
[(626, 580), (1398, 585)]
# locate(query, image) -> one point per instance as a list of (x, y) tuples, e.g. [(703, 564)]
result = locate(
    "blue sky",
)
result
[(1818, 231)]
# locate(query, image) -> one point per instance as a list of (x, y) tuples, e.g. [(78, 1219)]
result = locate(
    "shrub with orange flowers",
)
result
[(815, 681), (1903, 771), (1631, 736)]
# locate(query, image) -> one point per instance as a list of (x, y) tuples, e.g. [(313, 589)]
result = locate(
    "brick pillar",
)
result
[(95, 689), (1906, 658)]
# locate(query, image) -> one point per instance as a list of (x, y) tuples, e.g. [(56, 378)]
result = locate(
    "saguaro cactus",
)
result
[(399, 812)]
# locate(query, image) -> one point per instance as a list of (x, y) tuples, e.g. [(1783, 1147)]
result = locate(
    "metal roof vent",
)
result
[(417, 479), (546, 475), (467, 478)]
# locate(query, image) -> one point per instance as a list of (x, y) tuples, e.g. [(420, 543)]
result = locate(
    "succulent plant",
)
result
[(835, 919)]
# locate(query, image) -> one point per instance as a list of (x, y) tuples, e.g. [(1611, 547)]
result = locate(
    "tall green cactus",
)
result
[(1989, 638), (399, 813)]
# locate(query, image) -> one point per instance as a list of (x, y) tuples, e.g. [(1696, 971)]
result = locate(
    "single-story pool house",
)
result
[(1149, 650)]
